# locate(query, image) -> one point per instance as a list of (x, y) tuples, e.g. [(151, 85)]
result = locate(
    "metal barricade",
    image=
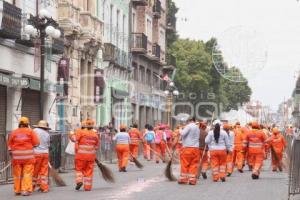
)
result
[(5, 172), (293, 150)]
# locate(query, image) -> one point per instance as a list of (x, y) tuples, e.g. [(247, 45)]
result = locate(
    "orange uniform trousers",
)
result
[(238, 159), (145, 149), (204, 161), (189, 161), (161, 151), (276, 164), (148, 147), (23, 174), (257, 162), (84, 173), (134, 150), (218, 164), (40, 174), (122, 154), (229, 163)]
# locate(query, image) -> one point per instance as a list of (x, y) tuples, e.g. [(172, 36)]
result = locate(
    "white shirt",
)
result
[(190, 135), (44, 137), (122, 138), (223, 143)]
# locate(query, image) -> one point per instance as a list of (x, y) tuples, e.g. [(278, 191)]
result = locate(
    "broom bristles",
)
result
[(56, 177), (106, 172), (137, 163), (280, 163), (169, 173)]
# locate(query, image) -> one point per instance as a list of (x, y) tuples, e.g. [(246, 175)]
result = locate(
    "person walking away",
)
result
[(278, 142), (203, 134), (20, 146), (218, 144), (190, 153), (122, 148), (135, 139), (144, 131), (238, 148), (229, 159), (160, 147), (107, 143), (41, 153), (87, 143), (149, 137), (254, 144)]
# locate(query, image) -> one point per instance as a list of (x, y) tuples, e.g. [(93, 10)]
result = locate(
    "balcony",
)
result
[(156, 51), (109, 53), (157, 9), (140, 2), (68, 17), (11, 21), (91, 27), (171, 23), (139, 43)]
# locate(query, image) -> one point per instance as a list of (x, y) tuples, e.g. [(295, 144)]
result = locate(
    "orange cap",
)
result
[(275, 130), (24, 120), (123, 126), (226, 126), (255, 125)]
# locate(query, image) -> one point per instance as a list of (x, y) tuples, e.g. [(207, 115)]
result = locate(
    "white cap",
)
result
[(217, 121)]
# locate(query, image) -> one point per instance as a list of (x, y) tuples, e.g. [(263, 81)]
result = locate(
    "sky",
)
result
[(260, 36)]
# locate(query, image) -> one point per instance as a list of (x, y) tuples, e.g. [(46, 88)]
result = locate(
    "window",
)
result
[(111, 23), (117, 31), (149, 29), (123, 32), (133, 23), (162, 39)]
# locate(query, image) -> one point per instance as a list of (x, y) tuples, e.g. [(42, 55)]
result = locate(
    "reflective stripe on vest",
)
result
[(255, 145), (23, 154), (86, 149)]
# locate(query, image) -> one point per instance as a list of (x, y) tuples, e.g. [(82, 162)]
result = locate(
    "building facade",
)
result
[(115, 63), (148, 47), (20, 66)]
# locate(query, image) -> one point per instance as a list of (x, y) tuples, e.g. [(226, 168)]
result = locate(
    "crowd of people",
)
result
[(220, 147)]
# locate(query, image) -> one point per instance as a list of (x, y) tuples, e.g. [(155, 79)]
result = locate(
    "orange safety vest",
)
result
[(254, 140), (278, 142), (135, 136), (238, 139), (87, 142), (21, 142)]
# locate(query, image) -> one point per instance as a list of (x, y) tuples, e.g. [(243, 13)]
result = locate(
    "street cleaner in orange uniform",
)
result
[(203, 150), (86, 143), (123, 140), (218, 145), (160, 144), (278, 143), (135, 138), (255, 146), (20, 145), (238, 150), (190, 153), (40, 175)]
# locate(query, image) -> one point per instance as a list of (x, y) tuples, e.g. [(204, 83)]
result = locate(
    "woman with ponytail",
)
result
[(218, 145)]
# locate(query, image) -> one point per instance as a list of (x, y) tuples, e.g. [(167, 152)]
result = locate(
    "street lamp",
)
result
[(42, 26), (171, 91)]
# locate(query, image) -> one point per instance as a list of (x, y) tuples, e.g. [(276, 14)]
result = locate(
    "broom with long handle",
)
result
[(280, 164), (105, 171), (55, 176), (201, 162), (136, 162)]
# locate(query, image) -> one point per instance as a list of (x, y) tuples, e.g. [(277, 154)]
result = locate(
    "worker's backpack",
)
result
[(149, 136)]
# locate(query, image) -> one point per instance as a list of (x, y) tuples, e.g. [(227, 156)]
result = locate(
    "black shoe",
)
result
[(78, 186), (204, 175), (254, 176), (223, 179), (157, 162), (124, 169), (228, 174), (241, 171)]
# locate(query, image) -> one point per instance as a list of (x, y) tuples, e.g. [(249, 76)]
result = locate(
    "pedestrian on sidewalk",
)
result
[(87, 142), (144, 131), (254, 144), (229, 159), (122, 148), (160, 144), (218, 145), (41, 152), (20, 146), (190, 153), (238, 149)]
